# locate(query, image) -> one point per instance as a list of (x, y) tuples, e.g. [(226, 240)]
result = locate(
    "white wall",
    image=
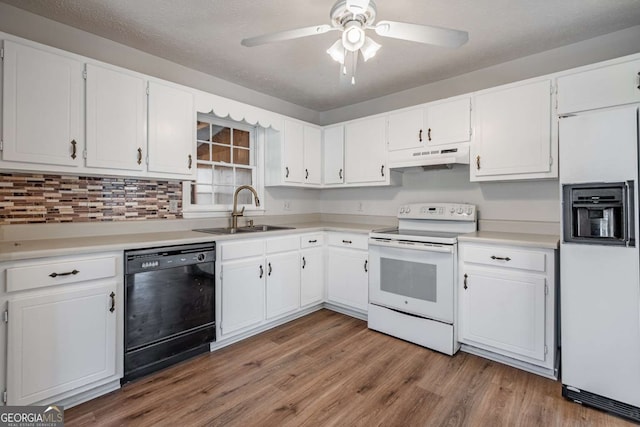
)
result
[(300, 201), (499, 201)]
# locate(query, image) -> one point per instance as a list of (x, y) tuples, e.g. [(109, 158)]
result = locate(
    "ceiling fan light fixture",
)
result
[(336, 51), (353, 36), (369, 48)]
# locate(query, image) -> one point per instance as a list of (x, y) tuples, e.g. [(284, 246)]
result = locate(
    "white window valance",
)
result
[(237, 111)]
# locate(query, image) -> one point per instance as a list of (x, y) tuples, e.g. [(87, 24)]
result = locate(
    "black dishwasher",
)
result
[(169, 306)]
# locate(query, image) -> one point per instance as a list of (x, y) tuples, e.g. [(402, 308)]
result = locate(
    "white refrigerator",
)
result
[(600, 282)]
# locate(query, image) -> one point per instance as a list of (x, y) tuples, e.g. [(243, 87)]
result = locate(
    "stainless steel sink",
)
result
[(246, 229)]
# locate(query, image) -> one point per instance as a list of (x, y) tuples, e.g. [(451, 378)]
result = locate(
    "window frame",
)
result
[(256, 144)]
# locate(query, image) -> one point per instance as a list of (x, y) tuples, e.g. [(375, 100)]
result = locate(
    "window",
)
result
[(226, 159)]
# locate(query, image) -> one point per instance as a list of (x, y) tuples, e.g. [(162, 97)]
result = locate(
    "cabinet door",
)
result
[(293, 155), (333, 155), (172, 124), (406, 129), (283, 284), (58, 341), (348, 278), (116, 120), (42, 114), (603, 87), (312, 280), (505, 311), (448, 122), (242, 290), (312, 155), (366, 151), (513, 132)]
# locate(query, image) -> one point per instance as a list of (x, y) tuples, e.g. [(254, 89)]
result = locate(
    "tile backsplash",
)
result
[(38, 198)]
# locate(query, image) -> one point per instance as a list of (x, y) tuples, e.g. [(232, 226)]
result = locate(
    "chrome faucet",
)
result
[(235, 214)]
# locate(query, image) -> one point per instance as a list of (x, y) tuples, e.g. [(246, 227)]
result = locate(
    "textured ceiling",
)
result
[(205, 35)]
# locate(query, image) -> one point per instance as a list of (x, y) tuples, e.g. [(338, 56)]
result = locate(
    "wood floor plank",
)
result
[(328, 369)]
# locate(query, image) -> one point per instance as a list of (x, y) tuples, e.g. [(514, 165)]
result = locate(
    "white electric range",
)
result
[(413, 274)]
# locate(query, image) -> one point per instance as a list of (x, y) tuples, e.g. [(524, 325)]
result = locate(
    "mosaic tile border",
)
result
[(40, 198)]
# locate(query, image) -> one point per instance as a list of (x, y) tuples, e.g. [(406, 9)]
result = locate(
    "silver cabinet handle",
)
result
[(382, 170), (306, 171), (190, 161), (340, 174), (286, 175), (313, 241), (113, 302), (465, 282), (270, 270), (420, 136), (261, 272), (639, 80), (304, 262), (429, 134), (68, 273), (348, 242), (366, 263), (139, 155), (500, 258)]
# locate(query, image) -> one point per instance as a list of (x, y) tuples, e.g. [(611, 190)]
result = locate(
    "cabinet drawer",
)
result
[(349, 240), (59, 273), (236, 250), (505, 257), (311, 240), (283, 244)]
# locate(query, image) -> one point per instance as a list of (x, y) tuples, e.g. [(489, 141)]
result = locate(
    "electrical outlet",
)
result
[(173, 206), (287, 205), (359, 207)]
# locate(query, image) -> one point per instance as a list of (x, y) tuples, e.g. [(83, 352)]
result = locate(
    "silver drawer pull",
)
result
[(112, 295), (313, 241), (347, 242), (68, 273), (500, 258)]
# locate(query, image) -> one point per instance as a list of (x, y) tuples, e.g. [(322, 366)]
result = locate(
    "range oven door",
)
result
[(414, 278)]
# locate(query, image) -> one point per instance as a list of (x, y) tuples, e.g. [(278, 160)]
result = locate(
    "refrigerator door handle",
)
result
[(631, 216)]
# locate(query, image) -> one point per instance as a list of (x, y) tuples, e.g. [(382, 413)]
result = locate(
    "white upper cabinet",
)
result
[(598, 88), (293, 152), (333, 155), (366, 151), (406, 129), (42, 107), (513, 133), (294, 156), (115, 119), (172, 124), (312, 148), (448, 122)]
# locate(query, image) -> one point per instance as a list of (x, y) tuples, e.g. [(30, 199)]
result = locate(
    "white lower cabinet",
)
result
[(283, 284), (348, 271), (242, 292), (507, 304), (312, 276), (64, 336)]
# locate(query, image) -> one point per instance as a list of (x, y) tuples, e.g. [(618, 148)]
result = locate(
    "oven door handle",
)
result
[(427, 247)]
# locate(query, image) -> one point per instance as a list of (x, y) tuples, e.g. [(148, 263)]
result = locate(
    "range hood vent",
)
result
[(429, 159)]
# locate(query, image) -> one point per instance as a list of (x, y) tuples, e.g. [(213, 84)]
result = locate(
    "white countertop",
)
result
[(27, 249), (542, 241)]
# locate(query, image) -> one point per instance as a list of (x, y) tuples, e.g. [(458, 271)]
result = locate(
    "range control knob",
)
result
[(452, 210), (460, 211), (201, 257), (469, 210), (402, 210), (408, 210)]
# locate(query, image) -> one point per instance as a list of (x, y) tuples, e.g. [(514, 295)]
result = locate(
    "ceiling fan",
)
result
[(353, 17)]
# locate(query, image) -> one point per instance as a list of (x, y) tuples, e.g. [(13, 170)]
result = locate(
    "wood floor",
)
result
[(329, 369)]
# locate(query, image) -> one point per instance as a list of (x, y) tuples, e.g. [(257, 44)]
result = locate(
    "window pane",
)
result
[(223, 195), (203, 131), (204, 174), (243, 176), (203, 151), (221, 135), (241, 138), (221, 154), (223, 175), (201, 195), (241, 156)]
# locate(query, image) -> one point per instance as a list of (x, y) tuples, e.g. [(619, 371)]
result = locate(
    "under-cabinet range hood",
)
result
[(430, 157)]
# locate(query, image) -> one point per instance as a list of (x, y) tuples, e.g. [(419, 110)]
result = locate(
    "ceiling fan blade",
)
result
[(286, 35), (422, 33)]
